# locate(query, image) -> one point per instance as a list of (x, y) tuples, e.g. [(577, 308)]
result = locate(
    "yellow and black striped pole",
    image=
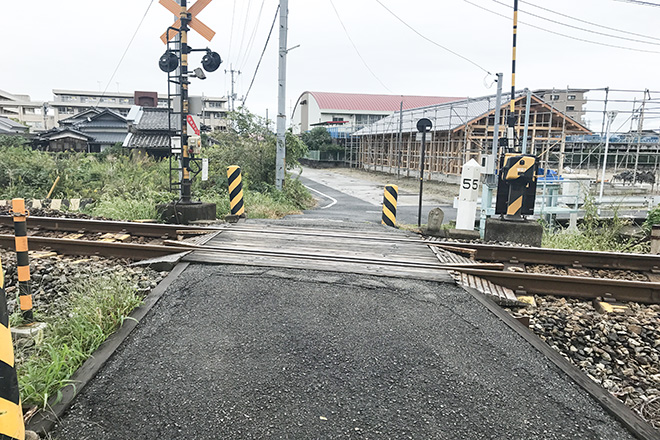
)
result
[(22, 259), (11, 413), (390, 196), (235, 190), (513, 56)]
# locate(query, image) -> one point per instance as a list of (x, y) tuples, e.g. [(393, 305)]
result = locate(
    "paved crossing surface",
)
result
[(239, 352)]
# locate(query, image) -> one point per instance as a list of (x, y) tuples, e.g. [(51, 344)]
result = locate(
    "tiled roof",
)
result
[(141, 140), (366, 102), (155, 119), (107, 138)]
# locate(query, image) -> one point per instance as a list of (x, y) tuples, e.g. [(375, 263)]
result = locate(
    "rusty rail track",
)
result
[(557, 257), (574, 287), (65, 246), (88, 225)]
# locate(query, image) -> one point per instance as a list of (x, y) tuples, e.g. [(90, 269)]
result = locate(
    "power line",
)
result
[(637, 2), (262, 55), (591, 22), (247, 15), (124, 54), (231, 32), (356, 49), (560, 34), (250, 43), (578, 28), (431, 41)]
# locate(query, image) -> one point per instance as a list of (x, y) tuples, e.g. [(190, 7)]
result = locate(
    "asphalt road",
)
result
[(363, 204), (233, 352)]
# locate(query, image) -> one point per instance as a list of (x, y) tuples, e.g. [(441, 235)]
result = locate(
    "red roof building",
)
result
[(357, 109)]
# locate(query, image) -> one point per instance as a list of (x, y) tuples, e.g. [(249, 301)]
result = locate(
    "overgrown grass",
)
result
[(97, 307), (594, 233)]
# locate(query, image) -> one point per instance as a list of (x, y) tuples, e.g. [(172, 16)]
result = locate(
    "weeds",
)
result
[(97, 307), (594, 233)]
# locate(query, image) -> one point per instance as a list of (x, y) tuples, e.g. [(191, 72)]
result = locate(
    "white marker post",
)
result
[(467, 197)]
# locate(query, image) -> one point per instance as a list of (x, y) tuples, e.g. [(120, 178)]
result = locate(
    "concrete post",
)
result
[(467, 197)]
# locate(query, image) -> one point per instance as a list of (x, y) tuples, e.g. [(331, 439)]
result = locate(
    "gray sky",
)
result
[(76, 44)]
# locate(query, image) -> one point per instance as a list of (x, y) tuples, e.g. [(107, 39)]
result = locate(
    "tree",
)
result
[(318, 139)]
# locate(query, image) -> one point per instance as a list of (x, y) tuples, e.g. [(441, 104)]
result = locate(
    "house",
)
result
[(9, 127), (67, 103), (352, 111), (149, 130), (462, 130), (63, 139), (91, 131)]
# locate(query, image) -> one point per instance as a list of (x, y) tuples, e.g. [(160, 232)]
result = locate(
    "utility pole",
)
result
[(640, 128), (398, 142), (281, 97), (233, 94)]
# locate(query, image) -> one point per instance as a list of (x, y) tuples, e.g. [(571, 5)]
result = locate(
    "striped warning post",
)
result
[(390, 196), (235, 190), (22, 259), (11, 414)]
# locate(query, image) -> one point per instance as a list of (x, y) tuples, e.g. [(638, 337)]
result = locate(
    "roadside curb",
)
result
[(613, 406), (43, 421)]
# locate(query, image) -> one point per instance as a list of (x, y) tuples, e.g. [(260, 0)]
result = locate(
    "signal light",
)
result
[(211, 61), (168, 62)]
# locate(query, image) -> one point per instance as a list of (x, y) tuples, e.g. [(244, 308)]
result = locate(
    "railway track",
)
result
[(489, 262), (585, 287)]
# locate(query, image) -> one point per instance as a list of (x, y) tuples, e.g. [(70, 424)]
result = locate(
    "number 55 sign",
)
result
[(468, 194)]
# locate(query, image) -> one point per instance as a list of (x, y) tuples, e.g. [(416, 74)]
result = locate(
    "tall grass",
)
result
[(97, 307), (594, 233)]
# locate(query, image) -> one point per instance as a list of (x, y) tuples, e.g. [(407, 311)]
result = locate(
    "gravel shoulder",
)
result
[(238, 352)]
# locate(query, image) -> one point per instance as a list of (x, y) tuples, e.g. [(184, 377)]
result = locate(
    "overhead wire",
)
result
[(591, 22), (561, 34), (576, 27), (431, 41), (124, 54), (262, 55), (231, 31), (250, 43), (637, 2), (356, 49), (247, 15)]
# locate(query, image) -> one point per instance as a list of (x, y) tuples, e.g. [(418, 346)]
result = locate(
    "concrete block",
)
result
[(179, 213), (34, 330), (463, 234), (606, 307), (527, 232), (434, 224)]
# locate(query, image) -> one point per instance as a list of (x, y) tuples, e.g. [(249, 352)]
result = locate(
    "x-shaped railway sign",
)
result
[(197, 25)]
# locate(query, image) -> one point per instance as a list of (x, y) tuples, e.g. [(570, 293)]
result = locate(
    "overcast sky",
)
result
[(77, 44)]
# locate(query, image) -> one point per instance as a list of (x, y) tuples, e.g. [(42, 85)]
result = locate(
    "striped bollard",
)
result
[(389, 205), (22, 259), (235, 190), (11, 413)]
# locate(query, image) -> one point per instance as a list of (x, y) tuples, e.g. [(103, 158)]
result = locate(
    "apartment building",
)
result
[(67, 103), (22, 109)]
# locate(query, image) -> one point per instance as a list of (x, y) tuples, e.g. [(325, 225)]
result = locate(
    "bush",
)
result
[(652, 218)]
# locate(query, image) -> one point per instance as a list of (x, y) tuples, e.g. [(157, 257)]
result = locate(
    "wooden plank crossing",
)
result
[(389, 253)]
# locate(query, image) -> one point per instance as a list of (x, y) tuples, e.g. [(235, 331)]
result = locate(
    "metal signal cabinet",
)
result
[(516, 186)]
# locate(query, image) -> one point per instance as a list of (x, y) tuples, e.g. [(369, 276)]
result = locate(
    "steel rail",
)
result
[(89, 225), (66, 246), (575, 287), (558, 257)]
